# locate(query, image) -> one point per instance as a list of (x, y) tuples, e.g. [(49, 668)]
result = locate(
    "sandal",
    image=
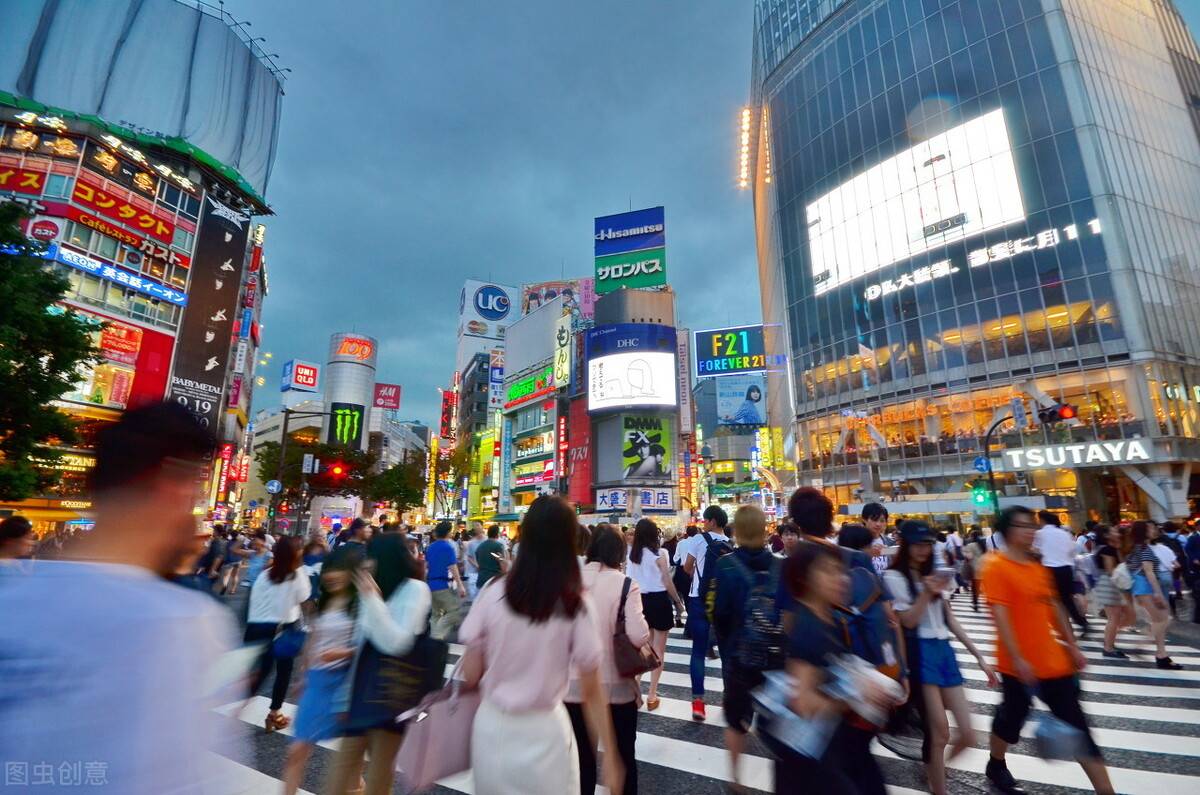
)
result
[(276, 721), (652, 704)]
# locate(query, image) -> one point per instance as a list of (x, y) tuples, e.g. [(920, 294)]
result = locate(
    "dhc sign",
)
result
[(1129, 451)]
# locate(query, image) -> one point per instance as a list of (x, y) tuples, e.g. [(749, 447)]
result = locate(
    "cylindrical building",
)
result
[(349, 385), (967, 210)]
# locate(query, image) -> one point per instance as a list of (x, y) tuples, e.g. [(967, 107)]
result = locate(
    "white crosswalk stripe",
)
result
[(1144, 719)]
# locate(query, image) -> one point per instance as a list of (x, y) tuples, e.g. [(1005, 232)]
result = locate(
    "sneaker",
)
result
[(1167, 664), (1116, 654), (997, 773), (712, 654), (698, 709)]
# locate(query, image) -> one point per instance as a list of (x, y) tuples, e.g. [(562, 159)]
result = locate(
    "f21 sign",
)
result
[(732, 351)]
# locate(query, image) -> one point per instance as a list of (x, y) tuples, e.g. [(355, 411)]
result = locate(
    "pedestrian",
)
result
[(694, 556), (327, 654), (919, 593), (441, 564), (257, 559), (1036, 650), (393, 612), (312, 557), (747, 623), (583, 542), (1057, 548), (475, 537), (17, 539), (521, 742), (973, 552), (648, 564), (790, 535), (606, 589), (356, 535), (492, 557), (1168, 562), (1191, 552), (1109, 598), (815, 579), (875, 518), (105, 659), (1148, 592), (237, 550), (275, 599)]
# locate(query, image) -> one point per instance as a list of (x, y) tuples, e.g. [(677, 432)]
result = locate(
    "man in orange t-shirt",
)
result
[(1036, 652)]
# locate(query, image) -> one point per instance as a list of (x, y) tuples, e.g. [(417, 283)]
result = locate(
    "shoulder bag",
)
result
[(630, 660)]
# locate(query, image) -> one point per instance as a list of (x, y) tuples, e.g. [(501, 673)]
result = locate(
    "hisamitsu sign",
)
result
[(1084, 454)]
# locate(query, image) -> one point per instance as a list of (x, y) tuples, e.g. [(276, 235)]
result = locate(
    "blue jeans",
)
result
[(697, 624)]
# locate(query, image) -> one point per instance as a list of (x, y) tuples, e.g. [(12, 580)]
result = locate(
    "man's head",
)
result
[(494, 532), (16, 538), (811, 511), (146, 484), (875, 518), (1049, 518), (750, 527), (715, 519), (1018, 527), (442, 530), (360, 530), (790, 536)]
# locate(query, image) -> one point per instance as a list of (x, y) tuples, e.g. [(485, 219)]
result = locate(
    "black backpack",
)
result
[(716, 549), (762, 642)]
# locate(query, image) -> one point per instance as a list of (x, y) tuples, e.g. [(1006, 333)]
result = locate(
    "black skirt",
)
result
[(656, 607)]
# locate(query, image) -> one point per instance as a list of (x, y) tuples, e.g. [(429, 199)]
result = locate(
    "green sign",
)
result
[(530, 387), (646, 445), (645, 268), (346, 424), (736, 488)]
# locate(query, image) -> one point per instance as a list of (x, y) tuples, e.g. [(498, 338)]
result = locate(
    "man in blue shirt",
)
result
[(441, 563)]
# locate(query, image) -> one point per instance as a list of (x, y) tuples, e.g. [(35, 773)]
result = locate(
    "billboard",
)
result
[(562, 350), (202, 355), (496, 378), (957, 184), (579, 295), (646, 268), (646, 441), (530, 340), (448, 427), (630, 250), (209, 88), (653, 500), (732, 350), (301, 376), (630, 365), (742, 400), (531, 387), (346, 421), (387, 396), (354, 348), (486, 309), (579, 453)]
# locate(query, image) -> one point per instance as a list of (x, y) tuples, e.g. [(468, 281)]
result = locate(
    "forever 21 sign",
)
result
[(202, 357)]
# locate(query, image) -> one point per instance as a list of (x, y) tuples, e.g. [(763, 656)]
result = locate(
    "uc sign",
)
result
[(492, 303)]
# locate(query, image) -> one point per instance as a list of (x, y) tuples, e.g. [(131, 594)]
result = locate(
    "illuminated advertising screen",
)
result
[(579, 295), (957, 184), (630, 250), (631, 365), (301, 376), (531, 387), (729, 351), (646, 442), (742, 400)]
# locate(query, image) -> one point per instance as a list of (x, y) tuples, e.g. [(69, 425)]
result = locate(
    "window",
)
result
[(58, 185), (183, 239), (190, 207), (78, 235), (106, 247)]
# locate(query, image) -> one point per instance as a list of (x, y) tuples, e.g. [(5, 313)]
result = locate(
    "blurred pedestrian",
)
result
[(275, 599), (475, 537), (1110, 599), (445, 583), (17, 539), (1148, 591), (492, 557), (1057, 548), (648, 565), (112, 661), (522, 739)]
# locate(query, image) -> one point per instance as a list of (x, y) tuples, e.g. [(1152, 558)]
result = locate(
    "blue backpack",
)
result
[(715, 550), (871, 635)]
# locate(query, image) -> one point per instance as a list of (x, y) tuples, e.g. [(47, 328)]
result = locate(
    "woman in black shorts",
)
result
[(648, 566)]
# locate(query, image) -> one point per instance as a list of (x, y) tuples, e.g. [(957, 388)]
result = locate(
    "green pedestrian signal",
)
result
[(980, 493)]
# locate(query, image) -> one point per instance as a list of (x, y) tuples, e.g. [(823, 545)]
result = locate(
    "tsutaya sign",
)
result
[(1129, 451)]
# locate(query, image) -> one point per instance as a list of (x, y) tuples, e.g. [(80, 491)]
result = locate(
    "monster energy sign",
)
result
[(346, 424)]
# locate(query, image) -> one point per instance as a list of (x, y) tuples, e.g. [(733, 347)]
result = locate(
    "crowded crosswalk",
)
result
[(1147, 722)]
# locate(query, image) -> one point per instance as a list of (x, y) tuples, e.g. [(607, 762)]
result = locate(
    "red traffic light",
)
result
[(337, 470), (1067, 412)]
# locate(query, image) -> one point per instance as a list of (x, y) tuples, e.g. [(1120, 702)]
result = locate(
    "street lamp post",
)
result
[(283, 440), (987, 454)]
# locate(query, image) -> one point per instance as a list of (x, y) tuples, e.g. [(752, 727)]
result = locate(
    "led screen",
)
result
[(957, 184), (644, 378)]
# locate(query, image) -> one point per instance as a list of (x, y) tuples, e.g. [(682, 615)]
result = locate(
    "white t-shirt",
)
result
[(1166, 557), (697, 547), (107, 666), (472, 565), (277, 603), (882, 560), (933, 620), (646, 574), (1056, 545)]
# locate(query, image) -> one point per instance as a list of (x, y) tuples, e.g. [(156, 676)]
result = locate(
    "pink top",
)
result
[(526, 665), (603, 586)]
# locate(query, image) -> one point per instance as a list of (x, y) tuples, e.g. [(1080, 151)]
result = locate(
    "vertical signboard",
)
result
[(496, 379), (506, 457), (562, 351), (579, 454), (202, 349), (448, 427), (431, 476), (683, 364)]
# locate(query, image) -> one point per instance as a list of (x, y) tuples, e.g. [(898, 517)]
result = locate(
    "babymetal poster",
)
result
[(202, 355)]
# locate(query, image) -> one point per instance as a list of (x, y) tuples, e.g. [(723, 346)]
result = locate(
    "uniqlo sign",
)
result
[(301, 376)]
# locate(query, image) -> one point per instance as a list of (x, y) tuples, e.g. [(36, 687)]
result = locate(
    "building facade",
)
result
[(971, 210)]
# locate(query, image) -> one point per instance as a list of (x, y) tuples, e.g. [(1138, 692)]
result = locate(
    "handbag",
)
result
[(385, 686), (630, 660), (1122, 578), (437, 743), (289, 640)]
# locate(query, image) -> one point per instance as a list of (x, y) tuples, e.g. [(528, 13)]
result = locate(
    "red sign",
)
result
[(223, 480), (387, 396), (120, 343), (110, 204), (147, 247), (251, 292), (305, 375), (44, 230), (449, 421), (562, 443), (356, 347), (235, 390), (579, 456), (22, 180)]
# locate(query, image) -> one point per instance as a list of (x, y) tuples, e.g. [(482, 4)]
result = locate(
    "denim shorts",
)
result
[(938, 664), (1141, 585)]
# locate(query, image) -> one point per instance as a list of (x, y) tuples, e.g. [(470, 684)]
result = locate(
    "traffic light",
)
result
[(336, 470), (1059, 412), (980, 493)]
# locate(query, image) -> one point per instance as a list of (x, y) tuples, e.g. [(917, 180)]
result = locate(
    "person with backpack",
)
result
[(747, 622), (919, 590), (698, 556)]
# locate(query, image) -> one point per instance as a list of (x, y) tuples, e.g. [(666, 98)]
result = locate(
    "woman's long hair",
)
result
[(903, 561), (349, 560), (286, 559), (645, 536), (394, 562), (544, 580)]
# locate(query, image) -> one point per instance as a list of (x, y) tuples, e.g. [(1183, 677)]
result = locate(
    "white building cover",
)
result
[(167, 68)]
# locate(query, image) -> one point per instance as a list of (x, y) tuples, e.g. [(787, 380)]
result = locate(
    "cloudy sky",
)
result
[(425, 143)]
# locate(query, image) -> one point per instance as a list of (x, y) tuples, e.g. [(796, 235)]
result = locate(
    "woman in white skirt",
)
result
[(524, 635), (648, 565), (1108, 597)]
